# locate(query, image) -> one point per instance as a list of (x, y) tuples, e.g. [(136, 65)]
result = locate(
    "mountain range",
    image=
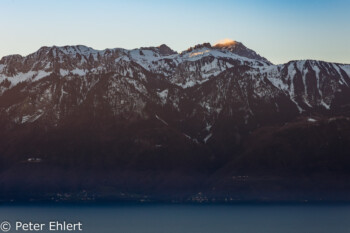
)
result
[(212, 123)]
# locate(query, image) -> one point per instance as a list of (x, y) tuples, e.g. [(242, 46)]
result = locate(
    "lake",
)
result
[(162, 218)]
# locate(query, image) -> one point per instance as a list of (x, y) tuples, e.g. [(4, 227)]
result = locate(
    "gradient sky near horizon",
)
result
[(280, 30)]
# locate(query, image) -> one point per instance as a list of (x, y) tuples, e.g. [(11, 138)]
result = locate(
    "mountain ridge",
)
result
[(151, 117)]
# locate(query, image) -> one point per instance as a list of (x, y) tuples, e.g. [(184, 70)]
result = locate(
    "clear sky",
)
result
[(280, 30)]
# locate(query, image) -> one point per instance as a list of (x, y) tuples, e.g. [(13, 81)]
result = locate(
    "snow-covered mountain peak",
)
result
[(225, 43), (198, 46), (239, 49), (226, 79), (11, 58), (165, 50), (56, 51), (193, 66), (160, 51)]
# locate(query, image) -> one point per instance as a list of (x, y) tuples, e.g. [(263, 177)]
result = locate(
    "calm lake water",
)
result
[(189, 218)]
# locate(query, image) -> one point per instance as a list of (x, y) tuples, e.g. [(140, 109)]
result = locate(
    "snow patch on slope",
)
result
[(207, 137), (23, 77), (160, 119), (342, 80), (346, 68), (79, 72), (163, 95), (272, 75), (2, 67)]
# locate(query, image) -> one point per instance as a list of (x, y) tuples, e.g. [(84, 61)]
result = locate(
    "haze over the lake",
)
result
[(278, 30)]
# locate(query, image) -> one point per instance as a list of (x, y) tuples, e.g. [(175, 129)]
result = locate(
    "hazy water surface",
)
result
[(189, 218)]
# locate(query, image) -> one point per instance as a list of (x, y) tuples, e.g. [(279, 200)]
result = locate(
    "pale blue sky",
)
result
[(279, 30)]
